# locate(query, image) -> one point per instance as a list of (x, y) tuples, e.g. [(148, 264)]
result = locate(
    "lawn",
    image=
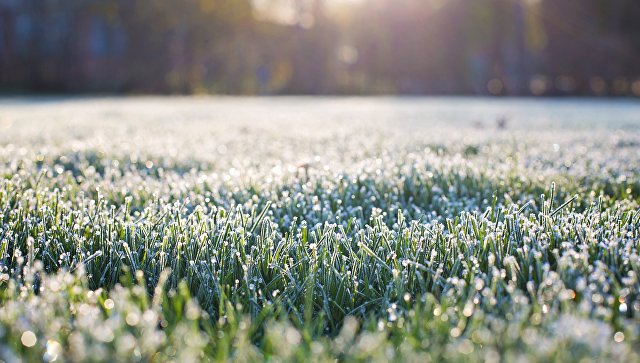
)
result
[(180, 230)]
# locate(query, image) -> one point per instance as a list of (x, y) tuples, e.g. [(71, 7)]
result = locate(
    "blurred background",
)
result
[(469, 47)]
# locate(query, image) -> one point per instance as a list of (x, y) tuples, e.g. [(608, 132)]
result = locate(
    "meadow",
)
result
[(316, 230)]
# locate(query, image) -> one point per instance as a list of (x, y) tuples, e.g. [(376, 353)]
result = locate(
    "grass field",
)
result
[(158, 230)]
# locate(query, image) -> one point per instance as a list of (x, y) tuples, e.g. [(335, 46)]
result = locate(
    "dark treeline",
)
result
[(517, 47)]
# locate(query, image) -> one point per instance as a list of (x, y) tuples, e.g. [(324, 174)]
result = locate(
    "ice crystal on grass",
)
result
[(153, 239)]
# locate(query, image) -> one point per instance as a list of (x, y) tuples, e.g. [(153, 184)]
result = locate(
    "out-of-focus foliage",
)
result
[(539, 47)]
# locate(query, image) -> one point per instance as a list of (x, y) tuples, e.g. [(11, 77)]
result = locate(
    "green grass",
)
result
[(193, 241)]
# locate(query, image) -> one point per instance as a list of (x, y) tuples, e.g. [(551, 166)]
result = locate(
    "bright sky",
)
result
[(284, 10)]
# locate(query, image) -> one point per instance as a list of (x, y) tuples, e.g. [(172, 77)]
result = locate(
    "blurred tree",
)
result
[(322, 46)]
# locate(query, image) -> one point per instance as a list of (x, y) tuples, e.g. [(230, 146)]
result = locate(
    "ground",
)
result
[(306, 229)]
